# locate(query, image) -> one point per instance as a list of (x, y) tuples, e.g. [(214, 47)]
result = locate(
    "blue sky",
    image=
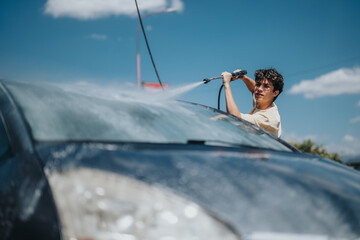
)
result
[(315, 44)]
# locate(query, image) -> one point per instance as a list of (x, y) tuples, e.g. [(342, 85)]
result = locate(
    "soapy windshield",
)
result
[(85, 112)]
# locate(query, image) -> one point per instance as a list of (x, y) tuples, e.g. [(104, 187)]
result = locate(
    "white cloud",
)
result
[(349, 138), (92, 9), (347, 146), (355, 120), (294, 137), (98, 36), (177, 4), (149, 28), (342, 81)]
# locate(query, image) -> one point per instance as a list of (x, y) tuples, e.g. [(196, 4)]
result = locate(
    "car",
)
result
[(353, 161), (82, 161)]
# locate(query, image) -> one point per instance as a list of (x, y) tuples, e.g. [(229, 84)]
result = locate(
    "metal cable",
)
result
[(147, 44)]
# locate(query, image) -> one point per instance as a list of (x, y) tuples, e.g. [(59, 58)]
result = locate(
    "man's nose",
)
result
[(260, 88)]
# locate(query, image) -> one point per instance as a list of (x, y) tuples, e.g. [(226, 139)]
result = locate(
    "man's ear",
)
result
[(276, 92)]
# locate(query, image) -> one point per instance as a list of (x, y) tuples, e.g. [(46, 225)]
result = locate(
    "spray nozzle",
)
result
[(206, 80)]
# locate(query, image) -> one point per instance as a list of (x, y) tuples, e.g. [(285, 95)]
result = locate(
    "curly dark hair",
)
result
[(273, 76)]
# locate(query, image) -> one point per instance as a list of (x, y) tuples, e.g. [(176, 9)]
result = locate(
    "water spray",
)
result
[(235, 76)]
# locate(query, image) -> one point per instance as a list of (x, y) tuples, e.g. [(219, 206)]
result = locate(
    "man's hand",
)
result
[(226, 78), (238, 77)]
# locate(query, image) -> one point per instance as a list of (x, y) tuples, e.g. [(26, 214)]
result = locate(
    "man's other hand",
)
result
[(226, 78)]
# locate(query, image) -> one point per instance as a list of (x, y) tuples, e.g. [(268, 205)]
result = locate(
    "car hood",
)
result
[(253, 190)]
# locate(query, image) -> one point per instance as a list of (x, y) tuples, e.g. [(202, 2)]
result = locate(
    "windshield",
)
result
[(81, 112)]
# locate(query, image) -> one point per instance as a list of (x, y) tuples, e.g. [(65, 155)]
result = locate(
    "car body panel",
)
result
[(256, 183)]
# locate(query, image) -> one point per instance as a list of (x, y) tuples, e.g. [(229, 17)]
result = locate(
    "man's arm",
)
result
[(250, 83), (230, 102)]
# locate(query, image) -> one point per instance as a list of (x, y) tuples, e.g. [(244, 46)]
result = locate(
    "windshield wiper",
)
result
[(218, 143)]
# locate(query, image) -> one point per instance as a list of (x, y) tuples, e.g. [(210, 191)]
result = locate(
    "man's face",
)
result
[(264, 91)]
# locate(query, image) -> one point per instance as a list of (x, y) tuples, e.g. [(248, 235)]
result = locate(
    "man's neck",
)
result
[(264, 106)]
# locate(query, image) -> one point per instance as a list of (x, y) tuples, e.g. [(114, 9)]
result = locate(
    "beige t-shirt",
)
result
[(268, 119)]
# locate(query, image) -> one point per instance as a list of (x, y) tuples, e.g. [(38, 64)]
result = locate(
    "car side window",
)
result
[(4, 142)]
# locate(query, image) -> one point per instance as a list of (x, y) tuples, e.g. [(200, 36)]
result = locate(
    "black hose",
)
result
[(219, 95), (147, 44)]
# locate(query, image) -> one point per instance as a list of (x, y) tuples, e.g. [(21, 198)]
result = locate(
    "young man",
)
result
[(266, 88)]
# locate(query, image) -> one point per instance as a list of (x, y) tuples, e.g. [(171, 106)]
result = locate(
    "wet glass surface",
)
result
[(65, 113)]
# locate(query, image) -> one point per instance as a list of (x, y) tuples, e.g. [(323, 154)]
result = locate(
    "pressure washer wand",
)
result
[(234, 76)]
